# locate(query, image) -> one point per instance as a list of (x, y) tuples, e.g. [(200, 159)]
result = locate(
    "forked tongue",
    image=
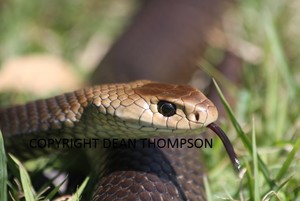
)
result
[(227, 144)]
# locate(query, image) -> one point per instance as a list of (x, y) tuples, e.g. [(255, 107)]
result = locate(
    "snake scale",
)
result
[(140, 109)]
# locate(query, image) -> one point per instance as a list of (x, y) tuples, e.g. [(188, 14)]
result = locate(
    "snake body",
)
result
[(126, 110)]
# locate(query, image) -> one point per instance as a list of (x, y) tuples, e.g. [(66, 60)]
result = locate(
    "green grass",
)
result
[(29, 193), (60, 28), (3, 171), (268, 144), (263, 125), (26, 188)]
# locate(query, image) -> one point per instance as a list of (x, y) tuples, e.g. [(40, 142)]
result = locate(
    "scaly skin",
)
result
[(127, 110), (114, 110)]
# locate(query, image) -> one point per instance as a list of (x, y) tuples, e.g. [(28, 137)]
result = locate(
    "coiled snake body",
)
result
[(140, 109)]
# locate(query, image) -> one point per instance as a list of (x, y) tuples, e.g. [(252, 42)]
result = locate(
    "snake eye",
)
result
[(166, 108)]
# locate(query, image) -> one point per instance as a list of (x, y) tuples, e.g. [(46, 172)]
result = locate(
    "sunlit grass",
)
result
[(269, 150), (62, 28)]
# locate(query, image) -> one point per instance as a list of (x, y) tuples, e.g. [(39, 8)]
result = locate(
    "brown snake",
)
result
[(141, 109)]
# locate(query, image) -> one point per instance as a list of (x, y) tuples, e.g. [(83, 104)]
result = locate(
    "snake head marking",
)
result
[(169, 107)]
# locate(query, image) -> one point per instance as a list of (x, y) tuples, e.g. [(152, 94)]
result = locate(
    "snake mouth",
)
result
[(227, 144)]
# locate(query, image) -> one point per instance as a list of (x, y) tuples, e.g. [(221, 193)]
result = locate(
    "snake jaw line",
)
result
[(227, 144)]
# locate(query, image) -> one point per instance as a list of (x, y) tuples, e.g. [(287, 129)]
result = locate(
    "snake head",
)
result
[(167, 107)]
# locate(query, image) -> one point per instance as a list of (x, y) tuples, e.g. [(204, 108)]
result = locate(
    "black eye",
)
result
[(166, 108)]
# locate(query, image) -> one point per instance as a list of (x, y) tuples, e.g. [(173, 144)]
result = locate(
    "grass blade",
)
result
[(25, 180), (277, 51), (284, 168), (255, 164), (3, 171), (243, 137), (207, 189), (55, 190), (78, 193)]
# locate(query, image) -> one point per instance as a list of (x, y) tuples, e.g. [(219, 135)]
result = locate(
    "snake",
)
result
[(133, 110)]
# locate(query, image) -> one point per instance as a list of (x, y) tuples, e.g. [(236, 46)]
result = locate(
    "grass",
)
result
[(269, 144), (3, 171), (263, 126), (29, 193), (26, 190)]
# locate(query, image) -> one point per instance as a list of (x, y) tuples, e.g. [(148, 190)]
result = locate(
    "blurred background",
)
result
[(62, 42), (50, 47)]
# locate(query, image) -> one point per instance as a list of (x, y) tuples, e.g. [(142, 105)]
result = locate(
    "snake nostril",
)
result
[(197, 116)]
